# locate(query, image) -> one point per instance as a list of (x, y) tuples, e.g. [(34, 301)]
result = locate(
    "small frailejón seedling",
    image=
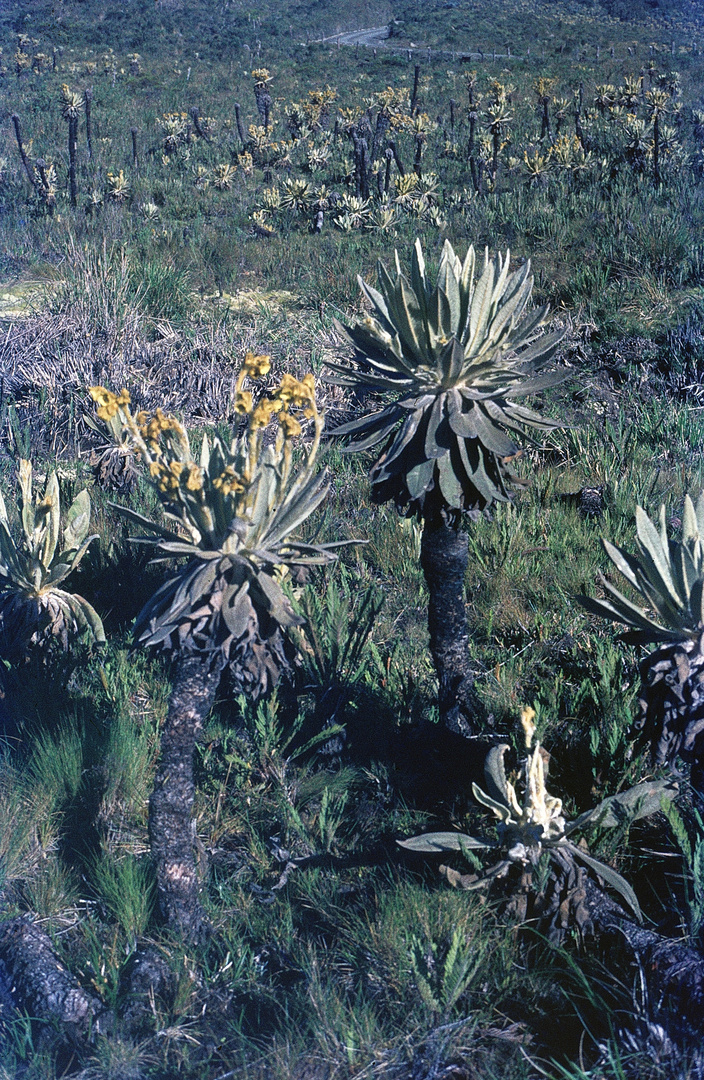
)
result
[(534, 826), (114, 460), (669, 576), (234, 511), (34, 609), (457, 359)]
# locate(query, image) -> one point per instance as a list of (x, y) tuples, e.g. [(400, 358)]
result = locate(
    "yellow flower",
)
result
[(44, 506), (287, 388), (262, 413), (243, 402), (155, 469), (228, 482), (152, 429), (256, 366), (100, 395), (295, 393), (168, 481), (108, 403), (289, 425), (194, 480), (106, 412)]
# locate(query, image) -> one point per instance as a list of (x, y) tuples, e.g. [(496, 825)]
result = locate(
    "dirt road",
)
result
[(376, 37), (373, 35)]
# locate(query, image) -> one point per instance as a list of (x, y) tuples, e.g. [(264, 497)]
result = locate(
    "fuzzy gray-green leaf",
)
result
[(431, 843), (495, 773), (610, 876), (655, 554), (77, 521)]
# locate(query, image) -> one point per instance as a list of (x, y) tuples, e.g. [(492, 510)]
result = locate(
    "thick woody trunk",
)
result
[(418, 159), (545, 125), (364, 168), (673, 970), (397, 159), (443, 557), (72, 148), (88, 102), (414, 96), (171, 825), (23, 154), (240, 128), (40, 985), (470, 150), (389, 154), (495, 157)]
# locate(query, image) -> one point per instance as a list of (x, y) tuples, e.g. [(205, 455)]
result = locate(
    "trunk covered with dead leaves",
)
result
[(671, 705), (673, 969), (171, 825), (443, 558)]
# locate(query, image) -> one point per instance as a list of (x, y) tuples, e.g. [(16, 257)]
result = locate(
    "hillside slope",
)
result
[(225, 28)]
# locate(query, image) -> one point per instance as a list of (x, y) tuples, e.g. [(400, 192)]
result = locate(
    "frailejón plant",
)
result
[(34, 609), (234, 508), (457, 359), (535, 824), (233, 511), (669, 577), (113, 461)]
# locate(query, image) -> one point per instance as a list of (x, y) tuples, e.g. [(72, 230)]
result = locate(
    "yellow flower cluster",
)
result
[(322, 97), (243, 402), (394, 104), (151, 429), (107, 402), (296, 394), (256, 366), (167, 476), (350, 117), (289, 425), (291, 393), (263, 412), (163, 443), (228, 482), (194, 480)]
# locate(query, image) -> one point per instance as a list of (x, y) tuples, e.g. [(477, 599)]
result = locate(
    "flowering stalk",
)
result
[(534, 825), (206, 496)]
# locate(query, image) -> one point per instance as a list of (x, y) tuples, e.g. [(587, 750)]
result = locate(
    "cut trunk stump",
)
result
[(42, 987), (148, 977)]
